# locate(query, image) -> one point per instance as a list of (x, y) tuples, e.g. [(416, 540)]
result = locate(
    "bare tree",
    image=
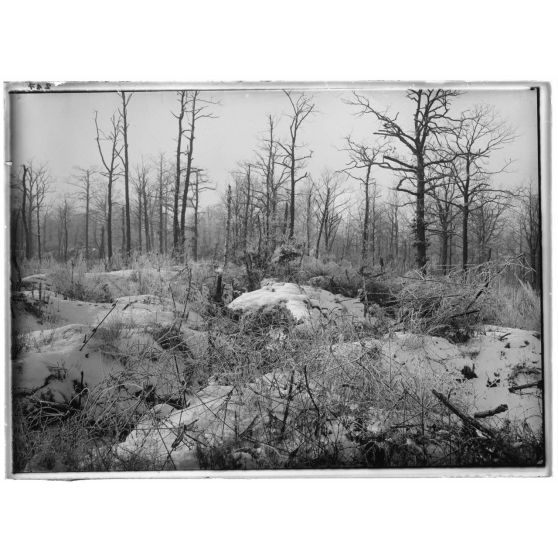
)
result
[(329, 209), (64, 217), (196, 110), (302, 107), (141, 185), (420, 155), (34, 187), (182, 104), (111, 168), (530, 229), (41, 180), (361, 160), (25, 204), (83, 183), (445, 209), (478, 134), (486, 218), (199, 186), (126, 165), (163, 182), (228, 224), (268, 159), (99, 214), (247, 204)]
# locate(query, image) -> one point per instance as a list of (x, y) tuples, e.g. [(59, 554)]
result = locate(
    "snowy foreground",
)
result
[(258, 420)]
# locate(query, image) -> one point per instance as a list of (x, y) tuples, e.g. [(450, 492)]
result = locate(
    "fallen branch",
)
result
[(537, 384), (94, 330), (465, 418), (502, 337), (490, 413), (509, 452)]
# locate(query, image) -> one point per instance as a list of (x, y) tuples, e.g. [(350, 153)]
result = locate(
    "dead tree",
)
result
[(361, 160), (99, 215), (302, 107), (123, 230), (162, 180), (198, 189), (182, 103), (25, 203), (329, 209), (64, 216), (268, 159), (228, 225), (309, 200), (142, 186), (83, 183), (196, 110), (247, 205), (42, 183), (126, 166), (111, 169), (420, 151)]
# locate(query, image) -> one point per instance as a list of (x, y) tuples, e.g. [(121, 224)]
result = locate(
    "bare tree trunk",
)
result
[(24, 217), (175, 224), (109, 220), (465, 232), (123, 221), (87, 192), (161, 201), (308, 220), (140, 208), (373, 228), (65, 231), (146, 222), (420, 240), (102, 244), (247, 209), (228, 226), (196, 218), (125, 102), (189, 157), (45, 215), (302, 108), (444, 248), (366, 224), (286, 218), (39, 230)]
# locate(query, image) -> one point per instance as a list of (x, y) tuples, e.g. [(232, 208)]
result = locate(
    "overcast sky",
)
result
[(58, 129)]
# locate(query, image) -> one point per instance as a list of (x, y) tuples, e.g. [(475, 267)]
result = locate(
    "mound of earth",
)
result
[(305, 303), (52, 367), (261, 422)]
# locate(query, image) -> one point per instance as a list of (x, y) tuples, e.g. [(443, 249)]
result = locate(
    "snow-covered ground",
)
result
[(64, 351)]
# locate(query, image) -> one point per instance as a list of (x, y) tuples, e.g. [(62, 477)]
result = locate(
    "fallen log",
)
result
[(490, 413)]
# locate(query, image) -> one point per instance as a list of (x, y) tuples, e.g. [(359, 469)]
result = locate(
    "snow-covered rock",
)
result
[(305, 303)]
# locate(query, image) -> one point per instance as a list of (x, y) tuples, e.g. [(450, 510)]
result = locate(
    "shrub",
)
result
[(514, 305)]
